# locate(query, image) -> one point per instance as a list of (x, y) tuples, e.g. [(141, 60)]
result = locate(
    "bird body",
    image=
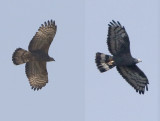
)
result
[(22, 56), (123, 60)]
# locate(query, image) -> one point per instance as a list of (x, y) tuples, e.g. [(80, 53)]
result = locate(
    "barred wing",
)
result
[(44, 37), (118, 40), (37, 74), (135, 77)]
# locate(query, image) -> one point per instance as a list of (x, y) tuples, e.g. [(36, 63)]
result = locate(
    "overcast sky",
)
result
[(77, 91)]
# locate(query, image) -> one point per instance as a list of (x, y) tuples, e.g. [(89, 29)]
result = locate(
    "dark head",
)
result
[(137, 60)]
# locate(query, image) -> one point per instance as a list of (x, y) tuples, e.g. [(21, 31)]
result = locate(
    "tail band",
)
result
[(104, 62), (20, 56)]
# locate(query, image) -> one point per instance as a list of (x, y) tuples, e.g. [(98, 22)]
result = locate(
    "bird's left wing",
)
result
[(118, 40), (135, 77), (44, 37), (37, 74)]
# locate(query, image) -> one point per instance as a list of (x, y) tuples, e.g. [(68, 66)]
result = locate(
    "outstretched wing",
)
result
[(37, 74), (135, 77), (44, 37), (118, 40)]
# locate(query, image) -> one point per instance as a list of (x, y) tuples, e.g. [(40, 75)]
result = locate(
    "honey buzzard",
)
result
[(119, 46), (37, 55)]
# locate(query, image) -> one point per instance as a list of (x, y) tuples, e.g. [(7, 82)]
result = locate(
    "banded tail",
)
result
[(20, 56), (104, 62)]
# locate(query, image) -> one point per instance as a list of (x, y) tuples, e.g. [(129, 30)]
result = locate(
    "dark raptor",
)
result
[(119, 46)]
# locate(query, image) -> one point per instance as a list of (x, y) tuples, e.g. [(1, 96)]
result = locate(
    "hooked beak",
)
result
[(52, 59), (139, 60)]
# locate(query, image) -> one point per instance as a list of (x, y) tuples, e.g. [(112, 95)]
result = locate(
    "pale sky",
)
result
[(77, 91)]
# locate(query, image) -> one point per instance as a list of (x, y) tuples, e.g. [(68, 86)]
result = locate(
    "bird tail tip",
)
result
[(20, 56)]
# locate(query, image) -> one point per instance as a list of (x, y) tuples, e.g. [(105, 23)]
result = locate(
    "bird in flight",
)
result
[(37, 55), (119, 46)]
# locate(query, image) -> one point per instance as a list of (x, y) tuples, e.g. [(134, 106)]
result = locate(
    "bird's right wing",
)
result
[(37, 74), (135, 77)]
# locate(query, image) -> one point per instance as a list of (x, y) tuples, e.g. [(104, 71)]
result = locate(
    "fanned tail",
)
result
[(104, 62), (20, 56)]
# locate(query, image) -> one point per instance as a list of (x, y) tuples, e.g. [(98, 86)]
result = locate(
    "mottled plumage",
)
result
[(119, 46), (37, 56)]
